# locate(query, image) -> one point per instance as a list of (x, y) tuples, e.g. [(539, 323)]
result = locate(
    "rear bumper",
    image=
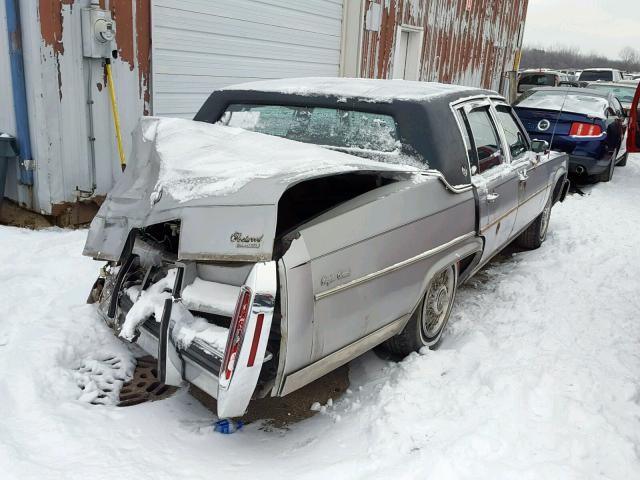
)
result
[(196, 329), (588, 165), (200, 364)]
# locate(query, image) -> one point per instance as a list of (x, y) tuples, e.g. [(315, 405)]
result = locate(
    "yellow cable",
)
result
[(116, 120)]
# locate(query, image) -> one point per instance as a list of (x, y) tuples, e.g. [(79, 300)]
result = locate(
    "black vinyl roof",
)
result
[(426, 125)]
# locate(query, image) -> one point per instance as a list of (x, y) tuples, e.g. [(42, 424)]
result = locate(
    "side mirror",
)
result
[(539, 146)]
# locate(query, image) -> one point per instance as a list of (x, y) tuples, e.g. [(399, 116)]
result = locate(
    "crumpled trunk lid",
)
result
[(222, 184)]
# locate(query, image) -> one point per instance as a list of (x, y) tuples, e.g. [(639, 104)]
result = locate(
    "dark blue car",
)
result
[(589, 125)]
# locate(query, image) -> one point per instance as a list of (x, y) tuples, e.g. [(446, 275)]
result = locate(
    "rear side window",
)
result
[(539, 80), (594, 75), (488, 151), (516, 139)]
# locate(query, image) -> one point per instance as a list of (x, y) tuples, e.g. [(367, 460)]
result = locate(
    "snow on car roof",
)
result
[(367, 88), (581, 102)]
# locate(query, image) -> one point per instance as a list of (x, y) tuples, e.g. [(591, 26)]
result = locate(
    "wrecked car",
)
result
[(296, 224)]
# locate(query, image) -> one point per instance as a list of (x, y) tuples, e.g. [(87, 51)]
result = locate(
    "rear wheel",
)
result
[(536, 233), (607, 175), (623, 160), (428, 321)]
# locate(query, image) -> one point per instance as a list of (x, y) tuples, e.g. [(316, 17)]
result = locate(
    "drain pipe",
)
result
[(92, 134), (18, 86)]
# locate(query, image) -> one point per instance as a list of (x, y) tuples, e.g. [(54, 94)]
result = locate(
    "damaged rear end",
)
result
[(209, 323), (193, 274)]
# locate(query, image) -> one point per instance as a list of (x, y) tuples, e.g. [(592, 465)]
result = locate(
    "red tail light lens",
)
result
[(236, 333), (585, 130), (256, 340)]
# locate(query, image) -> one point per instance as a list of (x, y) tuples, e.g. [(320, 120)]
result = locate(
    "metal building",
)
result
[(168, 55)]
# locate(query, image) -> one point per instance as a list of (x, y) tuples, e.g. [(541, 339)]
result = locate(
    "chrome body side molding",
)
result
[(393, 268)]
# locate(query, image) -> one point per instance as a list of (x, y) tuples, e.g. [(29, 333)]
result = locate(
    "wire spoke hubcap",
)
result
[(545, 220), (437, 303)]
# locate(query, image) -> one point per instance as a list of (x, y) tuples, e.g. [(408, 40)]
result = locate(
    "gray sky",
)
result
[(601, 26)]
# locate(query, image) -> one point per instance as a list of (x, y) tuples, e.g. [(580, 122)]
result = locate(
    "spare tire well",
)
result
[(306, 200)]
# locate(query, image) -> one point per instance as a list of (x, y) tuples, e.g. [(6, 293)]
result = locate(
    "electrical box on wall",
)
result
[(98, 32)]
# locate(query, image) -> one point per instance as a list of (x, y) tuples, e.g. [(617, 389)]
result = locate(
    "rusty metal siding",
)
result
[(57, 78), (469, 42)]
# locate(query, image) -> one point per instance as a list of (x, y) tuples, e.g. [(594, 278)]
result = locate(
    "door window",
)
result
[(617, 106), (516, 139), (488, 150)]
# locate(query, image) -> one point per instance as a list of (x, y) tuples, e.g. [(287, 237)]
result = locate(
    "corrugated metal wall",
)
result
[(469, 42), (200, 45)]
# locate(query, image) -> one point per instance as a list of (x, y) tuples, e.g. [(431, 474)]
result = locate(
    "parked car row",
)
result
[(528, 79), (590, 125), (296, 224)]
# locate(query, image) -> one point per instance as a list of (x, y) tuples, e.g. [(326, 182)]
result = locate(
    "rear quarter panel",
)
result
[(356, 241)]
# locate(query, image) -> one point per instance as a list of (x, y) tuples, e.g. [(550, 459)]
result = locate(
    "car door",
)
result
[(496, 184), (624, 125), (533, 174), (633, 137)]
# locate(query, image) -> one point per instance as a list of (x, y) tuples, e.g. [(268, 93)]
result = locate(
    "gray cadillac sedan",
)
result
[(295, 224)]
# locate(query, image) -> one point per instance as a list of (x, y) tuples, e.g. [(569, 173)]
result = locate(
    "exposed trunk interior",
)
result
[(310, 198)]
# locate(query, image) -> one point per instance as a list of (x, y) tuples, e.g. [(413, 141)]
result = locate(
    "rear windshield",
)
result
[(328, 127), (566, 101), (539, 80), (593, 75), (624, 94)]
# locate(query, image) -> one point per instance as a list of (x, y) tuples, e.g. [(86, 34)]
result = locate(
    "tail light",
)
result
[(585, 130), (236, 333)]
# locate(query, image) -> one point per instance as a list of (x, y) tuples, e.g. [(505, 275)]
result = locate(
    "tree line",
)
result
[(568, 57)]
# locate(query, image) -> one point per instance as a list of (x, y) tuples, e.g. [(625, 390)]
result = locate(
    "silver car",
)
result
[(296, 224)]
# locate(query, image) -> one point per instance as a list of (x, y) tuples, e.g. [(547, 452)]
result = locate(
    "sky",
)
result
[(601, 26)]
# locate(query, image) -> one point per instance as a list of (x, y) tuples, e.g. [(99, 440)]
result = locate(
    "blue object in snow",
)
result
[(227, 426)]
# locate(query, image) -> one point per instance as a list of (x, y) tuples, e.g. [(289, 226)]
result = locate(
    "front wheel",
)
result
[(428, 321), (536, 233)]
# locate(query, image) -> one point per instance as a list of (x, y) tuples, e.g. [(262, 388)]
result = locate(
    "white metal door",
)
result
[(200, 45), (401, 52)]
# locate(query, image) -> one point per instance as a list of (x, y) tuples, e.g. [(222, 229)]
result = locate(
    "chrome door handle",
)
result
[(522, 176), (492, 197)]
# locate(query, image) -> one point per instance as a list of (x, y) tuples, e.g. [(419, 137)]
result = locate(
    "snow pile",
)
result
[(367, 89), (211, 297), (189, 328), (201, 295), (149, 302), (198, 159), (538, 375)]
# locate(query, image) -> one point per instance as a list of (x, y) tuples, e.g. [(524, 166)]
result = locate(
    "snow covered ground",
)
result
[(538, 376)]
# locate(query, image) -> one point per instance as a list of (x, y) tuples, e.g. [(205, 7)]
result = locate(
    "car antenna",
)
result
[(555, 124)]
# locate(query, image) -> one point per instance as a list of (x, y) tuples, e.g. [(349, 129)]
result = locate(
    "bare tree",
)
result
[(629, 55), (561, 57)]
